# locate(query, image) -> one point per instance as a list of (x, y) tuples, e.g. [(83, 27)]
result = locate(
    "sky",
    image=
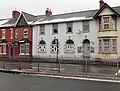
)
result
[(38, 7)]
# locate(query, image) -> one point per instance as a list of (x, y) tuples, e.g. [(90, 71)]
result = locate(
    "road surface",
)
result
[(14, 82)]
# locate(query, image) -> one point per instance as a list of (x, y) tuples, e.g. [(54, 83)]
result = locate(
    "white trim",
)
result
[(19, 19), (71, 19)]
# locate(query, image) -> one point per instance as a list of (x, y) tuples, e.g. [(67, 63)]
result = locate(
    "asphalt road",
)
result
[(14, 82)]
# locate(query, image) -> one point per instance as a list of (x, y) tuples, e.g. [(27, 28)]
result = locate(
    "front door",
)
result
[(86, 48), (11, 51)]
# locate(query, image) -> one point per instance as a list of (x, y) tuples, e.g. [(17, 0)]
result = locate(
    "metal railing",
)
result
[(83, 66)]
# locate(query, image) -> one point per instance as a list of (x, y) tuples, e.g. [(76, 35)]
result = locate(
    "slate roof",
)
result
[(72, 16), (10, 22), (42, 19), (89, 14), (29, 17), (115, 10)]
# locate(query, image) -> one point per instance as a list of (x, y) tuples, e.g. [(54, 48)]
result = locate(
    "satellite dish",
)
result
[(78, 32)]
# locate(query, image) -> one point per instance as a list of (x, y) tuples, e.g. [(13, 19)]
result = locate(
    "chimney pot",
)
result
[(101, 3), (48, 12), (15, 14)]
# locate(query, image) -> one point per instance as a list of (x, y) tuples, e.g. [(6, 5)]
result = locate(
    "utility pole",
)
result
[(57, 60)]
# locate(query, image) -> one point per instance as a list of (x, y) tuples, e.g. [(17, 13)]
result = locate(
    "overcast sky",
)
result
[(38, 7)]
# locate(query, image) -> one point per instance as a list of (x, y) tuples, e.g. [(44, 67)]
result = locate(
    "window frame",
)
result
[(16, 33), (69, 47), (86, 23), (55, 26), (42, 29), (11, 33), (22, 49), (110, 45), (69, 26), (111, 22), (3, 33), (0, 49), (27, 48), (54, 46), (25, 35), (43, 47)]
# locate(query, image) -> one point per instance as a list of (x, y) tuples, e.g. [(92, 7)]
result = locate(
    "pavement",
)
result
[(87, 76)]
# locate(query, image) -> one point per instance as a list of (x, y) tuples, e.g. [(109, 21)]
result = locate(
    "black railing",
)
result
[(87, 66)]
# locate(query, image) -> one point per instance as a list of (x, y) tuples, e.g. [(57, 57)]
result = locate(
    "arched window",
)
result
[(42, 47), (69, 46), (55, 46)]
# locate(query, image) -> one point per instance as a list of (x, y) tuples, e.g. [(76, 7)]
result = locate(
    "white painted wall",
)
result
[(63, 37)]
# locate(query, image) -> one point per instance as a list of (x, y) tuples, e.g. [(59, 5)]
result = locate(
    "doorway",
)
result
[(86, 48)]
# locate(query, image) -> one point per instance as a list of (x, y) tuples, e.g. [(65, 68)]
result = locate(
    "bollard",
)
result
[(19, 65), (3, 64), (38, 67)]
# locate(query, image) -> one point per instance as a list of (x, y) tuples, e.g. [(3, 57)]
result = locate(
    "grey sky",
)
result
[(38, 7)]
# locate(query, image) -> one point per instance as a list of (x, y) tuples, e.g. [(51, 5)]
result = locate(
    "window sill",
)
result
[(24, 54), (54, 33), (54, 52), (85, 31), (106, 30), (108, 53), (69, 52), (41, 34), (3, 53), (41, 52), (69, 32)]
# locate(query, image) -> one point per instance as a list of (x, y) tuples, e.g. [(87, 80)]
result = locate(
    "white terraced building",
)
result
[(75, 33)]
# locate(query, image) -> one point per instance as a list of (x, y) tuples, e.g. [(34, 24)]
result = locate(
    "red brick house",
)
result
[(16, 35)]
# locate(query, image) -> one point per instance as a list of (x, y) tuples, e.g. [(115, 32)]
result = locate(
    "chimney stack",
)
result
[(48, 12), (15, 15), (101, 3)]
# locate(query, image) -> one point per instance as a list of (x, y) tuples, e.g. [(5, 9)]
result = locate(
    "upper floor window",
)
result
[(69, 27), (55, 28), (85, 26), (11, 33), (108, 23), (3, 33), (42, 29), (16, 33), (25, 34)]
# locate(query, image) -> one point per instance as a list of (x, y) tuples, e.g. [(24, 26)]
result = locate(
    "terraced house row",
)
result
[(76, 35)]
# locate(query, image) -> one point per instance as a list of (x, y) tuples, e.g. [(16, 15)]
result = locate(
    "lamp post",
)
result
[(57, 60)]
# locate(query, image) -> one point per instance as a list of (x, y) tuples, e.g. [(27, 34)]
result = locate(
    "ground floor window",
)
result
[(107, 45), (24, 48), (42, 46), (55, 46), (3, 49), (27, 48), (0, 49), (69, 46)]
